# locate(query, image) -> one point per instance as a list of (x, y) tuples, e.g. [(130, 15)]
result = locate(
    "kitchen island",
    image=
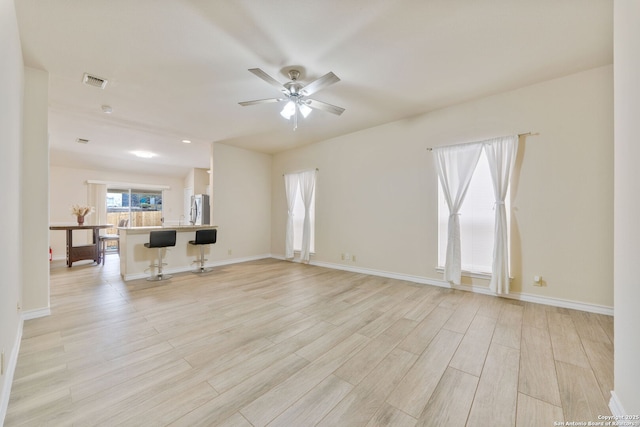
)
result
[(135, 258)]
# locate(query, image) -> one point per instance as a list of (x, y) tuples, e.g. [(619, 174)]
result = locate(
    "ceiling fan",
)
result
[(297, 94)]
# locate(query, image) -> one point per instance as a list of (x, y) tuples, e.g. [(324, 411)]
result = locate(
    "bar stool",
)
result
[(160, 240), (204, 237), (105, 238)]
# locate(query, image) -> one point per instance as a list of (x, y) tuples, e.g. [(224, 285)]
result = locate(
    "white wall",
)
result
[(188, 179), (198, 180), (627, 204), (68, 186), (35, 186), (241, 203), (11, 98), (377, 188)]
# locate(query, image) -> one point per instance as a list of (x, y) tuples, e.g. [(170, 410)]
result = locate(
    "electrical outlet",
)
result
[(346, 256)]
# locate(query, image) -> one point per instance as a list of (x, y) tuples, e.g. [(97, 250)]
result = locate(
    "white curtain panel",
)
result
[(291, 189), (501, 154), (307, 186), (455, 166), (97, 197)]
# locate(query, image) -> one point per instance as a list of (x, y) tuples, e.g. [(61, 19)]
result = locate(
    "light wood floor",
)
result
[(283, 344)]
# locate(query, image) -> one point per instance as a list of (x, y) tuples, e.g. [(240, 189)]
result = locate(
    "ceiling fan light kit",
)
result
[(305, 110), (296, 94), (288, 110)]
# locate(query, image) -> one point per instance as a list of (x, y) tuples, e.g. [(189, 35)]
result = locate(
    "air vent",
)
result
[(94, 81), (82, 141)]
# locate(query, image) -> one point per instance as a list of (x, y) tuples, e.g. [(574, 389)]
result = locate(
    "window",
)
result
[(141, 207), (298, 220), (477, 222)]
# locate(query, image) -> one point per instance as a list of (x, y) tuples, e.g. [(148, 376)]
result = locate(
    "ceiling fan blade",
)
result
[(267, 78), (261, 101), (319, 105), (321, 83)]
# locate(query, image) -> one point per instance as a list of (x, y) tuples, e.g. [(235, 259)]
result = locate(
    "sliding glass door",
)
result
[(140, 207)]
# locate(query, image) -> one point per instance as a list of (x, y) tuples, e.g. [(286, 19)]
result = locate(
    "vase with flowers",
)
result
[(80, 211)]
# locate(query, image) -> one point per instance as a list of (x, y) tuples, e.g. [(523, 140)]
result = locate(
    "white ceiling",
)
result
[(178, 68)]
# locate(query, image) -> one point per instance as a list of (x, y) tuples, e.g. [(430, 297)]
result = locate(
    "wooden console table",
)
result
[(77, 253)]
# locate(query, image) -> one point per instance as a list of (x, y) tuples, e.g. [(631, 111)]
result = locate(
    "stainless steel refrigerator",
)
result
[(199, 209)]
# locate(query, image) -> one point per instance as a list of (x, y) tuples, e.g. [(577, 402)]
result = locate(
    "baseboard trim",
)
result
[(555, 302), (615, 405), (34, 314), (136, 276), (382, 273), (618, 411), (8, 377), (559, 302)]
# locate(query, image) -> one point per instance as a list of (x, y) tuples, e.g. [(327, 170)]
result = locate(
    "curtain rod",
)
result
[(519, 135), (289, 173)]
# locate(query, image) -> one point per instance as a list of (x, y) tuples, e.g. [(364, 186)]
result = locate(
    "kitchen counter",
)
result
[(179, 228), (135, 258)]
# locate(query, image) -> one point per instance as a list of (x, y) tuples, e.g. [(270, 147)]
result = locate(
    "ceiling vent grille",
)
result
[(94, 81), (82, 141)]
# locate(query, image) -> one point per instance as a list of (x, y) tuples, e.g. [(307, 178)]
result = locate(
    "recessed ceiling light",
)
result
[(107, 109), (186, 141), (143, 154)]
